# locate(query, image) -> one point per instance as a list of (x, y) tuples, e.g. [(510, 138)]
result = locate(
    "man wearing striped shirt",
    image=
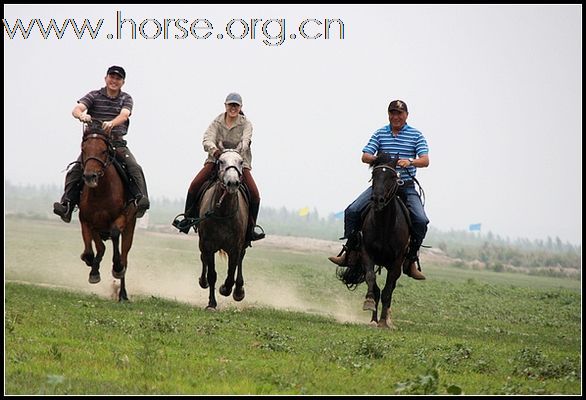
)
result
[(397, 137), (112, 106)]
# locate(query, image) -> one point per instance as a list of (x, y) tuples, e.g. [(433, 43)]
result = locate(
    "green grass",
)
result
[(459, 331)]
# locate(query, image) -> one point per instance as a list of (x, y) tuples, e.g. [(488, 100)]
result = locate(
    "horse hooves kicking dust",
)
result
[(94, 278)]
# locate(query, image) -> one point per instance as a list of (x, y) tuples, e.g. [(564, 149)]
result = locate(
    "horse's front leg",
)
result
[(88, 253), (127, 237), (226, 287), (391, 282), (239, 290), (370, 278), (100, 250), (208, 262), (117, 266), (203, 279), (374, 318)]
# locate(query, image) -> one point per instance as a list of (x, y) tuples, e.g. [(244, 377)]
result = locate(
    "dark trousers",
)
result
[(204, 174), (409, 195), (74, 182)]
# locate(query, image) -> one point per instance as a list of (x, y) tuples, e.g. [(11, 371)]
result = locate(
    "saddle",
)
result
[(186, 223), (211, 181), (129, 184)]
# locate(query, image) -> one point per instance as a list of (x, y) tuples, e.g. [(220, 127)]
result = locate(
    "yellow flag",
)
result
[(304, 211)]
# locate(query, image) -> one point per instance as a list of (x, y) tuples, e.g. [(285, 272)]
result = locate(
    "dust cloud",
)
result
[(178, 281)]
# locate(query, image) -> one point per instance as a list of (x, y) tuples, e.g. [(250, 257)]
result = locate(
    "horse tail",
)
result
[(351, 276)]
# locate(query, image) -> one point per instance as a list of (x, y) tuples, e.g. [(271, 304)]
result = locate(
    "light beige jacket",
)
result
[(240, 134)]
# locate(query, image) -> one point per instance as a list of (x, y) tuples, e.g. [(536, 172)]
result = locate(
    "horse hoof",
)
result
[(383, 324), (369, 305), (203, 283), (88, 259), (238, 294), (118, 275), (210, 308), (225, 291), (94, 278)]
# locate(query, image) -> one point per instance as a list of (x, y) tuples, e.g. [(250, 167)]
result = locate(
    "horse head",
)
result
[(230, 165), (385, 180), (97, 154)]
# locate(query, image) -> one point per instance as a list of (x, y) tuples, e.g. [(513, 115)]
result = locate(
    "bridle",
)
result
[(238, 170), (221, 180), (109, 158), (390, 193)]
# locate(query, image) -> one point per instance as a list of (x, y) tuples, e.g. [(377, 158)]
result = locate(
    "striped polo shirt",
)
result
[(409, 143), (104, 108)]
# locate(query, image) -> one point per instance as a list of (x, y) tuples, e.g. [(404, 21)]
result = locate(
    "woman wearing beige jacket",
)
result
[(231, 129)]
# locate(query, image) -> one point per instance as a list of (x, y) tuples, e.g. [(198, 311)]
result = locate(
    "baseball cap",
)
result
[(233, 98), (398, 105), (117, 70)]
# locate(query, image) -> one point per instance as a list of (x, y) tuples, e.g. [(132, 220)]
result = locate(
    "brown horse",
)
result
[(104, 212), (385, 239), (223, 227)]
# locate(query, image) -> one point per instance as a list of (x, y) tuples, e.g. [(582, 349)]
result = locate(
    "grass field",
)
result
[(298, 331)]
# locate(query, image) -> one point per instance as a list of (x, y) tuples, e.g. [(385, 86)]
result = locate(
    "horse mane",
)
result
[(384, 158)]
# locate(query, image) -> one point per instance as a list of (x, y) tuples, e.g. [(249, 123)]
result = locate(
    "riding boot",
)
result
[(141, 198), (349, 255), (189, 215), (252, 235), (70, 197), (412, 267), (138, 186)]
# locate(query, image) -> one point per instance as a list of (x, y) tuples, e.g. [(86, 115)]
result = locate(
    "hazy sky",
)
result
[(496, 90)]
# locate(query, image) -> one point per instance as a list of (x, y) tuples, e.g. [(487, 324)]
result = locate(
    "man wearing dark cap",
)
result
[(397, 137), (112, 106)]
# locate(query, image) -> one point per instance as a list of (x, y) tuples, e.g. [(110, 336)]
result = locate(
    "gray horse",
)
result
[(223, 227)]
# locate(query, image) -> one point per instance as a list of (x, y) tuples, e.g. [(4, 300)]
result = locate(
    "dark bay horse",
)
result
[(104, 212), (223, 227), (385, 239)]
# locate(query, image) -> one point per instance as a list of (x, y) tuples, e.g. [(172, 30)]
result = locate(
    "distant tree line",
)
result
[(493, 251)]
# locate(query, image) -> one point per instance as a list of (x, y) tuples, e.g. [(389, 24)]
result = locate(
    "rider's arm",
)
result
[(210, 138), (246, 135), (122, 117), (421, 162), (79, 109), (368, 158)]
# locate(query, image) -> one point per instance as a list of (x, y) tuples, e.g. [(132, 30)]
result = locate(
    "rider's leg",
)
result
[(137, 175), (352, 220), (254, 206), (73, 182), (419, 222), (190, 202)]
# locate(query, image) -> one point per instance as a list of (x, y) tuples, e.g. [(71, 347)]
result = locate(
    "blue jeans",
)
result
[(419, 221)]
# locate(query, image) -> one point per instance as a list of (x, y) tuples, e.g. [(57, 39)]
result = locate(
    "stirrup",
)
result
[(64, 210), (344, 249), (184, 224), (257, 236), (407, 265)]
